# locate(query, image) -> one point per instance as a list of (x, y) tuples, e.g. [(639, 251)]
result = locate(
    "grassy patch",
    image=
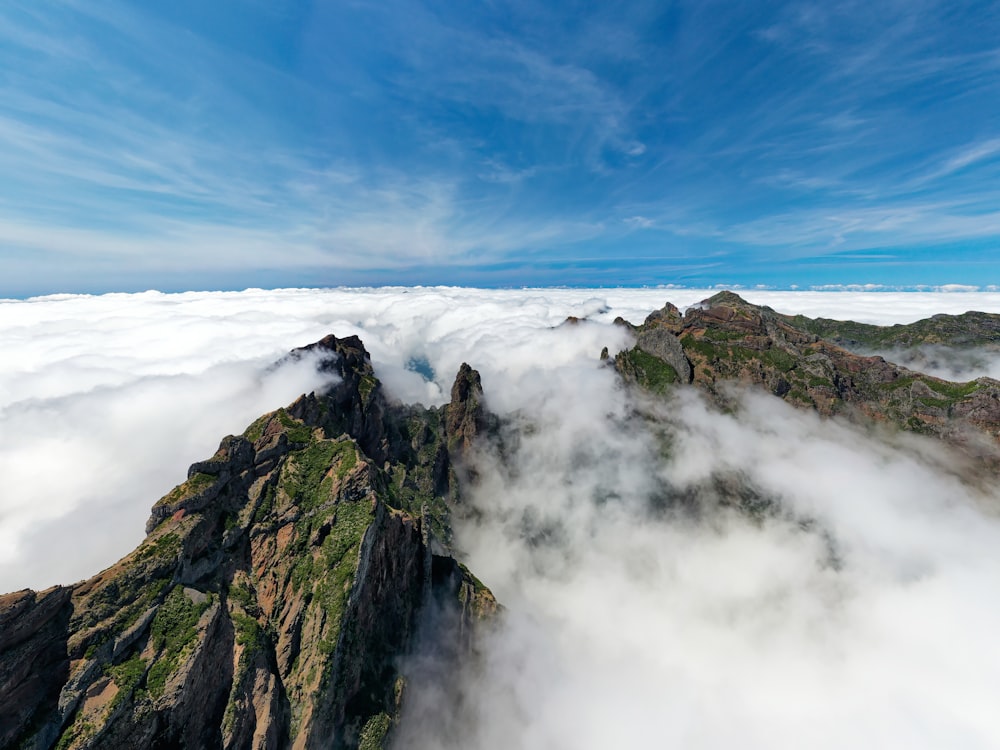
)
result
[(953, 391), (175, 621), (779, 359), (156, 680), (242, 594), (700, 346), (123, 599), (296, 429), (366, 387), (195, 484), (897, 384), (174, 629), (167, 546), (843, 330), (950, 391), (937, 403), (651, 372), (127, 676), (199, 481), (266, 505), (249, 633), (339, 558), (304, 476), (256, 428), (374, 732), (80, 729), (797, 394)]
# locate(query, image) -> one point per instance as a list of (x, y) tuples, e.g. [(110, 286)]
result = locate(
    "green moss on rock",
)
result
[(374, 733), (651, 372)]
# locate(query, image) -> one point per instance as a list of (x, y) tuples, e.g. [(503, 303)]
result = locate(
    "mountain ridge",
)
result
[(275, 592), (725, 339)]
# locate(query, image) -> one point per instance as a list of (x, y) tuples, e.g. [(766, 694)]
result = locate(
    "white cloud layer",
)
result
[(630, 628), (860, 616)]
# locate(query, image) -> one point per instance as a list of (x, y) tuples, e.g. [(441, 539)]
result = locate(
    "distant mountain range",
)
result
[(280, 586)]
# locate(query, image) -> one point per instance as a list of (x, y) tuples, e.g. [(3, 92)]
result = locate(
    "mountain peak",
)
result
[(466, 415), (667, 314), (727, 298), (276, 592)]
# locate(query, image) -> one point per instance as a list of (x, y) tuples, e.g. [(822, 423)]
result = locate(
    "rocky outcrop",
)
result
[(276, 591), (465, 415)]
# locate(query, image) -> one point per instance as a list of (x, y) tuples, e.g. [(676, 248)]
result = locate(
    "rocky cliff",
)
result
[(803, 361), (275, 593)]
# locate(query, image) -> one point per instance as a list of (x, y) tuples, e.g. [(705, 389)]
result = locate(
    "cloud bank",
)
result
[(854, 616), (642, 608), (104, 401)]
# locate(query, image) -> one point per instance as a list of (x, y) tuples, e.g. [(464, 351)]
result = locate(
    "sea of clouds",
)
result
[(860, 614)]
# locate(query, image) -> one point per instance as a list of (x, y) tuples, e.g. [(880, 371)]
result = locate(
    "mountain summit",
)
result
[(276, 591)]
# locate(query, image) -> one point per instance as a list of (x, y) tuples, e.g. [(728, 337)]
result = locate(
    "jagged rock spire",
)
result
[(466, 416)]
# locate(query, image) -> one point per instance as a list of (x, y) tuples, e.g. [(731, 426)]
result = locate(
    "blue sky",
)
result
[(269, 143)]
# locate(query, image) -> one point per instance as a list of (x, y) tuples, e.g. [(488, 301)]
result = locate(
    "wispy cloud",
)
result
[(899, 225), (966, 157)]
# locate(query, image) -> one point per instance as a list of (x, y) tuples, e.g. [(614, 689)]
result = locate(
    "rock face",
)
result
[(725, 339), (275, 592), (33, 633)]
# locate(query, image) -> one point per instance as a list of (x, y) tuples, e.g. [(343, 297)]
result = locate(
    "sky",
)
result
[(859, 614), (225, 145)]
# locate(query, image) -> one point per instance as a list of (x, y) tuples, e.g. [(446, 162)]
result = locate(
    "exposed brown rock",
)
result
[(466, 415)]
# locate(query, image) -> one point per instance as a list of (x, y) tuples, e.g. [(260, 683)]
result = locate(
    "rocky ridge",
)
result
[(725, 339), (275, 592)]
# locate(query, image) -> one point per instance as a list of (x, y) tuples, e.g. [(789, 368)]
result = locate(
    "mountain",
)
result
[(275, 593), (969, 329), (725, 339)]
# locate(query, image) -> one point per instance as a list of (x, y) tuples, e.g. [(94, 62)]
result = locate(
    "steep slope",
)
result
[(725, 339), (275, 592)]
